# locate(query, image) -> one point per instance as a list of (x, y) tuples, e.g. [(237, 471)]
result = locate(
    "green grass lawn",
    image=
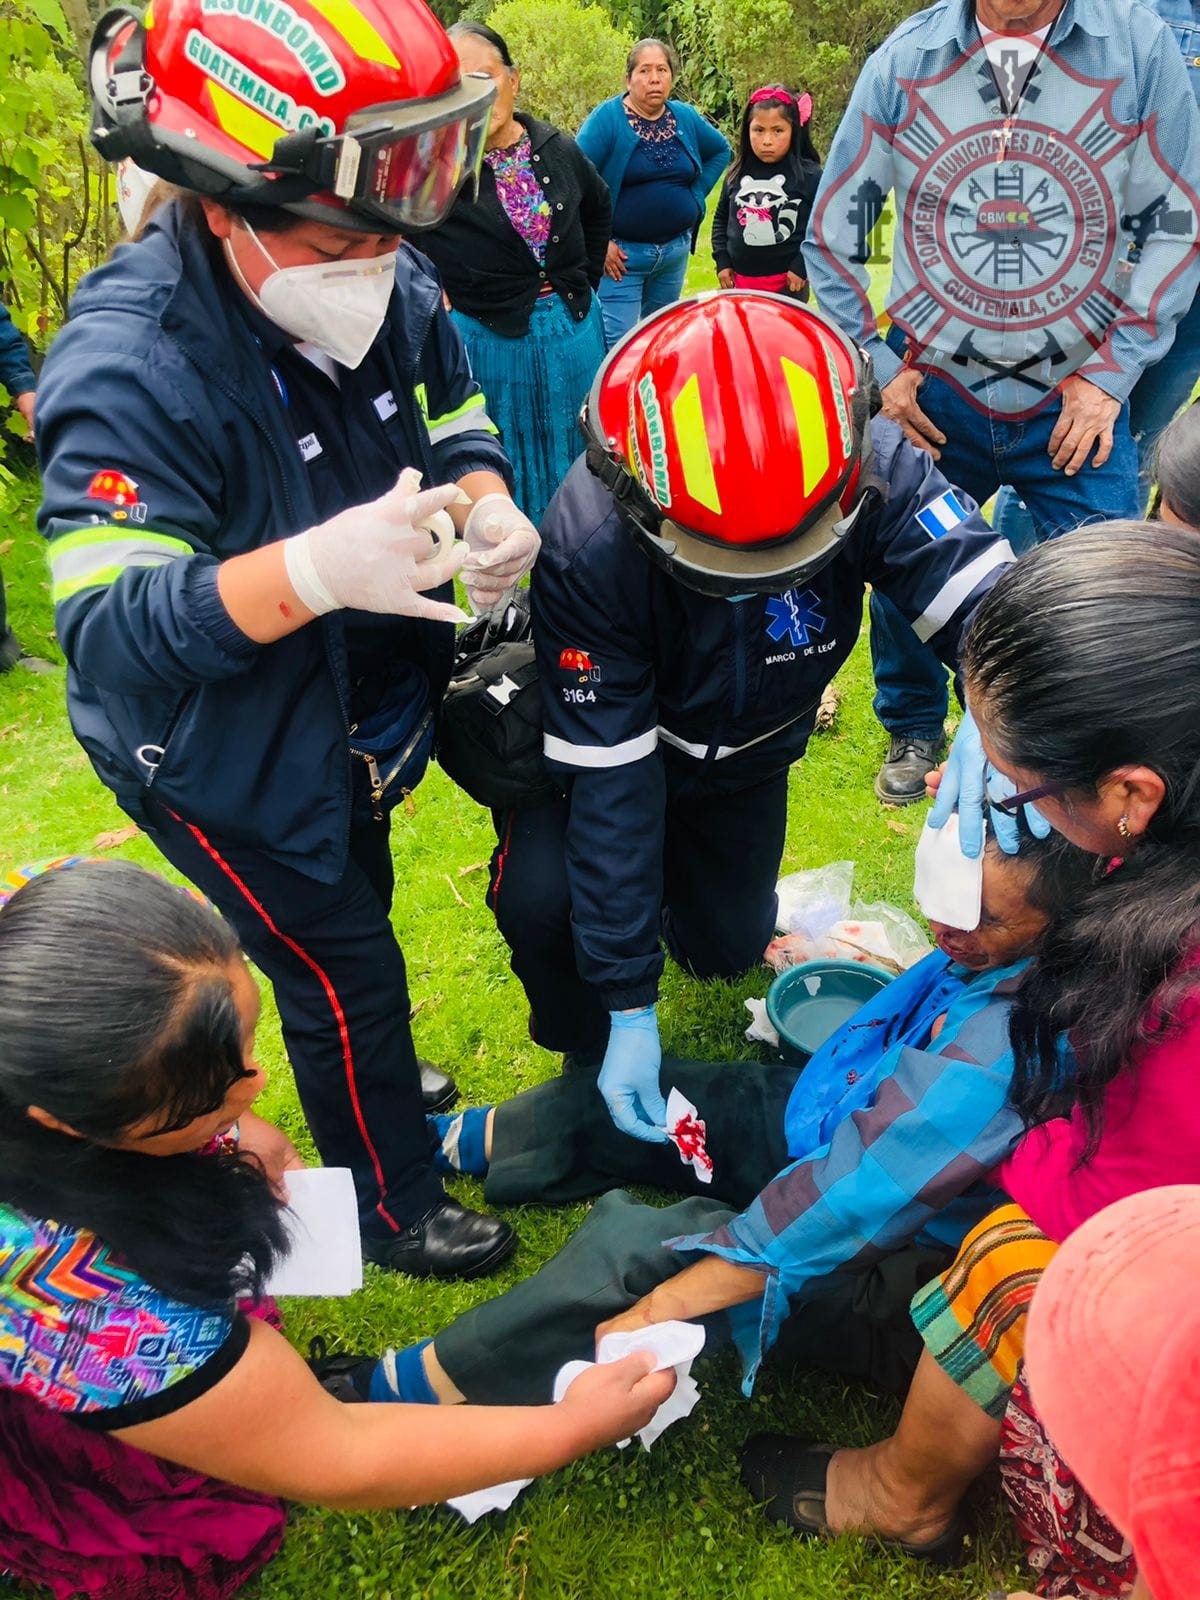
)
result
[(673, 1523)]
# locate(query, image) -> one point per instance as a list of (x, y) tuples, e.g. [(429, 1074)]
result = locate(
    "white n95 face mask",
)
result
[(338, 306)]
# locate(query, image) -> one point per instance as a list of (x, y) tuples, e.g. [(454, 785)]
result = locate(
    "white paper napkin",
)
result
[(325, 1252), (687, 1132), (673, 1344)]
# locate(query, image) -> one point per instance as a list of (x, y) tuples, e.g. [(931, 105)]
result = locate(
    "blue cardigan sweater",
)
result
[(608, 142)]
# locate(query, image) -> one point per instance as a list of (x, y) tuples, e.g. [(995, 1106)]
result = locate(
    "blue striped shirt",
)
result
[(912, 1165)]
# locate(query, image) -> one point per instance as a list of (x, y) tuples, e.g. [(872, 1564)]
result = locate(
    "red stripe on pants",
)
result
[(330, 994)]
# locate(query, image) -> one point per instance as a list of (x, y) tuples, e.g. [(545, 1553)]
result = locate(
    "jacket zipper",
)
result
[(379, 783)]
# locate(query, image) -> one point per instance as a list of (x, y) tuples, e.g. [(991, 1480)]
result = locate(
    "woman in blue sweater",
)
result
[(660, 159)]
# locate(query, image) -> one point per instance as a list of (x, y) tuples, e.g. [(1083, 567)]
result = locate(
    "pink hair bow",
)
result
[(777, 92)]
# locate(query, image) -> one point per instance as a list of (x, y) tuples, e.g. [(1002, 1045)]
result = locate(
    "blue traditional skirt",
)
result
[(535, 386)]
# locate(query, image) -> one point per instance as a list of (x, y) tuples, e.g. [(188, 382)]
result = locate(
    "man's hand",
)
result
[(614, 261), (900, 405), (1086, 420), (639, 1315), (629, 1076), (796, 284), (725, 278), (708, 1285), (504, 544), (24, 404)]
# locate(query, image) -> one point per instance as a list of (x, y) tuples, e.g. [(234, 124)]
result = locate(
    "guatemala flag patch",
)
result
[(942, 514)]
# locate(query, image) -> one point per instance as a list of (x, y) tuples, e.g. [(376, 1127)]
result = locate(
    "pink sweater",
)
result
[(1151, 1138)]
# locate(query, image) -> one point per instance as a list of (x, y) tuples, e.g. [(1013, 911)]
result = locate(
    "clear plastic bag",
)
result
[(818, 922), (811, 902)]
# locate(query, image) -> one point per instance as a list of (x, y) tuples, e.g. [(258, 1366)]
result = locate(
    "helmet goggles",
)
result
[(402, 165)]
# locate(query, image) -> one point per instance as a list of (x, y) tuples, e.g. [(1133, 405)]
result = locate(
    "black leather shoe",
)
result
[(448, 1242), (438, 1089), (901, 778)]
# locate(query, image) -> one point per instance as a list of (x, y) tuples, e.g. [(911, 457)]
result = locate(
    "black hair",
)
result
[(801, 148), (1177, 466), (116, 1006), (1085, 658), (1057, 872), (668, 50), (480, 30)]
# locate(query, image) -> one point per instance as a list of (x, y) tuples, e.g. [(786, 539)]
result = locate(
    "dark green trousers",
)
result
[(507, 1351), (557, 1143)]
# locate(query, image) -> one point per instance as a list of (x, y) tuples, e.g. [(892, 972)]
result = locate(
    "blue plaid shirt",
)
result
[(911, 1166), (1105, 132)]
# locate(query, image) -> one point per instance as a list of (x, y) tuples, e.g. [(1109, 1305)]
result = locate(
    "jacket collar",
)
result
[(954, 22), (540, 133)]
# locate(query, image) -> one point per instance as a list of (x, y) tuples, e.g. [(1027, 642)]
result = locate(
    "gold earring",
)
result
[(1123, 827)]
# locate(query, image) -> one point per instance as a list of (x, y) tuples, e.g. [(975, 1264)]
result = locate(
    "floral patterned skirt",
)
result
[(1070, 1543)]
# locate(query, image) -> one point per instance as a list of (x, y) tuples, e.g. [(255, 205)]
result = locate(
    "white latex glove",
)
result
[(503, 547), (382, 556)]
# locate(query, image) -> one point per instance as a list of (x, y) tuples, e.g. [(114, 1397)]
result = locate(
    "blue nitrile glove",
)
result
[(629, 1077), (968, 780)]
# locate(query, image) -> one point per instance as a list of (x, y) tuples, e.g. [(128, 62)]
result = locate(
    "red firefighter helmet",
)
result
[(732, 427), (353, 112)]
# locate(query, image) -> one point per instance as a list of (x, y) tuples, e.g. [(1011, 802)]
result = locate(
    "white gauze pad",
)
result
[(947, 885)]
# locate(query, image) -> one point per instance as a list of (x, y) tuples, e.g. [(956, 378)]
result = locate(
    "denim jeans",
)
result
[(983, 450), (1161, 391), (654, 275)]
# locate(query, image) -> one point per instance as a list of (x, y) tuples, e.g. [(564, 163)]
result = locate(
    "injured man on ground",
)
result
[(836, 1189)]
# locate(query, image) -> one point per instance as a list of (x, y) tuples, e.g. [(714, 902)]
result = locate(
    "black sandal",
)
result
[(336, 1373), (787, 1476)]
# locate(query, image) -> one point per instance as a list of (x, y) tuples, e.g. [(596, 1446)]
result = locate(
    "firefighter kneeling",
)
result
[(701, 581)]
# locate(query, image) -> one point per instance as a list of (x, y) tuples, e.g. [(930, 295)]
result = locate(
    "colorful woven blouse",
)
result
[(520, 193), (81, 1333)]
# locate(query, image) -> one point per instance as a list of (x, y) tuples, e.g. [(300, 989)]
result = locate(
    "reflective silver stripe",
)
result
[(476, 421), (724, 750), (79, 562), (599, 755), (95, 556), (957, 587)]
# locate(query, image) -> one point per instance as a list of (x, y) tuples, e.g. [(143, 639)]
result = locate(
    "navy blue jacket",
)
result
[(655, 693), (166, 447), (15, 372)]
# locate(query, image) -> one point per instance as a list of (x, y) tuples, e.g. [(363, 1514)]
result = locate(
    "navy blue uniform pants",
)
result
[(721, 856), (342, 992)]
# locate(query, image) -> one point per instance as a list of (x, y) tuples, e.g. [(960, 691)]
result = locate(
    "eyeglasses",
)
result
[(1012, 803)]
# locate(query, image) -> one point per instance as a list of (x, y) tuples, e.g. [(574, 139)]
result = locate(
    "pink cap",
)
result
[(1113, 1359)]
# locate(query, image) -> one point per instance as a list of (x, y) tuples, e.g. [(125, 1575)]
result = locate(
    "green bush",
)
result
[(571, 56)]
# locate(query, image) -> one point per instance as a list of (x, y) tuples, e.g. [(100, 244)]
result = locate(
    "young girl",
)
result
[(131, 1217), (763, 212)]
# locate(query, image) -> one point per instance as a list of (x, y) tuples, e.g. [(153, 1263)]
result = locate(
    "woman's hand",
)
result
[(725, 278), (271, 1145), (615, 1399), (796, 284), (614, 261)]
